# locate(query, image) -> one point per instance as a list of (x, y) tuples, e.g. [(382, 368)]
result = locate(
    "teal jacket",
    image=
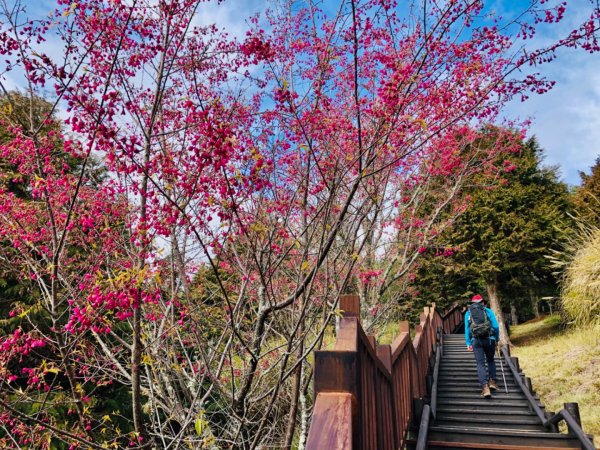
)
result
[(493, 322)]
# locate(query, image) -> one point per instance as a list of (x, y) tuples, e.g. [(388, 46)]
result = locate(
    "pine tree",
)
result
[(504, 236), (587, 197)]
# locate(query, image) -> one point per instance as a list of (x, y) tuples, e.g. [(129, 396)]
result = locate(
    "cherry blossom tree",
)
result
[(248, 184)]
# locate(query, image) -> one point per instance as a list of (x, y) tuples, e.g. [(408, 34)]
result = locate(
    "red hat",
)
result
[(477, 298)]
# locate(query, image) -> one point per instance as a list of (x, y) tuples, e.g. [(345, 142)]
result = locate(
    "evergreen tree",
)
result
[(33, 116), (503, 238), (587, 197)]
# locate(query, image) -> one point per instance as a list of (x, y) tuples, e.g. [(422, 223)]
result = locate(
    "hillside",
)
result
[(564, 366)]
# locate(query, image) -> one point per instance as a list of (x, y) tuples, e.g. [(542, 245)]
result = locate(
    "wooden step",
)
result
[(470, 384), (469, 374), (500, 394), (496, 401), (490, 410), (496, 426), (411, 445), (465, 420), (521, 423), (457, 391), (463, 362), (488, 438), (470, 364)]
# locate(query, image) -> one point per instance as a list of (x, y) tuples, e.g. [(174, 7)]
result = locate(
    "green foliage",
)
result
[(587, 197), (512, 227), (33, 117), (581, 290), (536, 331), (208, 302), (503, 236)]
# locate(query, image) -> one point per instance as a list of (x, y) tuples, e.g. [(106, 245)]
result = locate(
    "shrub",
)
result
[(581, 287)]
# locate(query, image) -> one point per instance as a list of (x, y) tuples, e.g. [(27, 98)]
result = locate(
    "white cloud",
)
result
[(566, 120), (231, 15)]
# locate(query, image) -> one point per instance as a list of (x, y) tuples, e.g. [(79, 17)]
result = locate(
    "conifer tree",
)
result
[(587, 197), (502, 239)]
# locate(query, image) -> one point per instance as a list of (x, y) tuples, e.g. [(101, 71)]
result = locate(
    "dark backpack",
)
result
[(479, 324)]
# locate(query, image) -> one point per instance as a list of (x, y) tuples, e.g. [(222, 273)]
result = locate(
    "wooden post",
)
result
[(553, 427), (418, 405), (528, 383), (573, 409), (384, 353), (338, 372), (350, 305), (418, 330), (332, 412), (404, 326), (372, 341)]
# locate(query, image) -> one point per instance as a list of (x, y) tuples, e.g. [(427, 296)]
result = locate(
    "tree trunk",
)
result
[(136, 359), (296, 388), (303, 418), (491, 284), (514, 318), (534, 304)]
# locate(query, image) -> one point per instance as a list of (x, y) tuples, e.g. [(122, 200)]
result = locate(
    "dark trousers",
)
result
[(484, 350)]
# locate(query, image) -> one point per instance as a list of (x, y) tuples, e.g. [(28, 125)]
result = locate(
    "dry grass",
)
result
[(581, 296), (579, 262), (564, 365)]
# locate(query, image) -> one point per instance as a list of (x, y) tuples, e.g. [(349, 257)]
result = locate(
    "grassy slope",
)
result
[(564, 366)]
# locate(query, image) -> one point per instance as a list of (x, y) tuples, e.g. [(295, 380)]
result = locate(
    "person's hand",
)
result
[(469, 348)]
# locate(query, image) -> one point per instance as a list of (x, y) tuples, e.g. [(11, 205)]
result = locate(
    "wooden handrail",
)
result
[(423, 428), (365, 392), (436, 372), (431, 409), (564, 414), (332, 422), (574, 427)]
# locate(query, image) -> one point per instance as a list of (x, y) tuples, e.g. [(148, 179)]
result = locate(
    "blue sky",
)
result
[(565, 120)]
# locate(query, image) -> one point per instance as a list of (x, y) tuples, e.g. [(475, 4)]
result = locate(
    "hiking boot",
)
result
[(493, 385), (486, 391)]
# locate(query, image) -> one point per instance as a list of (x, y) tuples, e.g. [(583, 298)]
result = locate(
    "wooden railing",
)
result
[(570, 414), (365, 392)]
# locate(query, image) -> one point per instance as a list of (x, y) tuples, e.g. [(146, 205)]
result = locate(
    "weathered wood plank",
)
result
[(332, 422), (350, 305)]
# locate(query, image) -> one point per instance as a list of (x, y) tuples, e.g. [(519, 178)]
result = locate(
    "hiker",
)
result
[(481, 335)]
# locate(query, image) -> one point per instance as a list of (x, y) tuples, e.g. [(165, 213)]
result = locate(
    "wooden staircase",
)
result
[(464, 419), (423, 393)]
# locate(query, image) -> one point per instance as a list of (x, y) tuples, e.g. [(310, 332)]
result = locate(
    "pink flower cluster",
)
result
[(24, 343), (369, 276)]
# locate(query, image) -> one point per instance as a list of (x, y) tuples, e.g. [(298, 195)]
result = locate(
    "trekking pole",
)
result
[(502, 368)]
